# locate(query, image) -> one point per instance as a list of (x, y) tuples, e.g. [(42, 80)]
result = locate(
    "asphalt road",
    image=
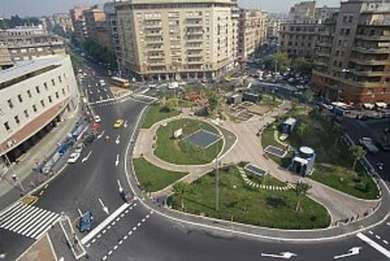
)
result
[(141, 235)]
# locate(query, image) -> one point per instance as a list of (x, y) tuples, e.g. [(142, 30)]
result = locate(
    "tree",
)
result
[(358, 153), (213, 102), (171, 104), (302, 65), (301, 190), (179, 189), (281, 61)]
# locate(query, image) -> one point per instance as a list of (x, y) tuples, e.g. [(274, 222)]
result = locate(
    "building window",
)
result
[(29, 93), (57, 95), (53, 82), (10, 104), (45, 85), (43, 103), (34, 108), (17, 119), (59, 78), (6, 126), (26, 113), (50, 100), (20, 98), (37, 89)]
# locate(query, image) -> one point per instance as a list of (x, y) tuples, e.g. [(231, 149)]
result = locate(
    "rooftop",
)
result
[(26, 67)]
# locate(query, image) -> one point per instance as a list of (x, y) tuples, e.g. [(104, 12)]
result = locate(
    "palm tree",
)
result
[(300, 189), (357, 153), (179, 189)]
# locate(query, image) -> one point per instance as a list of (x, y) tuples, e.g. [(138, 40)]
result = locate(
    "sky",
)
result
[(47, 7)]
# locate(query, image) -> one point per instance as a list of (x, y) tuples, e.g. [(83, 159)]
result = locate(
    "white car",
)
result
[(73, 157), (97, 118), (79, 148)]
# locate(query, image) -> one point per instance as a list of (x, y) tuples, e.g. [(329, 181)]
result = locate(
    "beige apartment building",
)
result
[(252, 31), (97, 28), (78, 21), (177, 39), (353, 54), (30, 42)]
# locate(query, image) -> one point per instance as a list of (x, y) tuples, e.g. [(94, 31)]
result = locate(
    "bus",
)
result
[(120, 82)]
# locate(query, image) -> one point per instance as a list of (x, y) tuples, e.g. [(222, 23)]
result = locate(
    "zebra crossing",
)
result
[(27, 220)]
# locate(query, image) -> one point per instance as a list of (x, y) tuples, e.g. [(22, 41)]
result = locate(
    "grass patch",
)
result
[(240, 203), (181, 152), (153, 178), (156, 114), (334, 160)]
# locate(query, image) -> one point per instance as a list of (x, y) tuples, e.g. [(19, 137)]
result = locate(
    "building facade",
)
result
[(78, 22), (302, 10), (274, 26), (176, 39), (29, 42), (97, 29), (252, 31), (5, 58), (112, 25), (353, 54), (34, 96)]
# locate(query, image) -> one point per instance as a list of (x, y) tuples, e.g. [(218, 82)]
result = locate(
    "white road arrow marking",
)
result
[(117, 160), (120, 187), (105, 208), (100, 135), (125, 124), (117, 141), (80, 213), (86, 157), (282, 255), (101, 98), (352, 252)]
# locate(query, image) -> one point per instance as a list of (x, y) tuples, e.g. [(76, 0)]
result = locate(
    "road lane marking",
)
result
[(117, 141), (377, 237), (373, 244), (117, 160), (86, 157), (386, 242), (370, 232), (351, 252), (103, 224)]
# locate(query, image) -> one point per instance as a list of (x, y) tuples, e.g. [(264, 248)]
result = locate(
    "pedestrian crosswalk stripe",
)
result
[(27, 220)]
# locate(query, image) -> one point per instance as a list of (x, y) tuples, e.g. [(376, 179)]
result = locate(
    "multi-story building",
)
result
[(302, 10), (177, 38), (29, 42), (62, 21), (34, 96), (5, 58), (252, 31), (112, 25), (299, 38), (353, 55), (78, 21), (274, 24), (325, 12), (97, 29)]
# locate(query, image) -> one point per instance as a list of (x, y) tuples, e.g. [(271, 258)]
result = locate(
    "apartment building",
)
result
[(252, 31), (62, 21), (97, 29), (29, 42), (274, 26), (353, 54), (298, 38), (177, 39), (78, 21), (34, 96), (112, 25), (302, 10)]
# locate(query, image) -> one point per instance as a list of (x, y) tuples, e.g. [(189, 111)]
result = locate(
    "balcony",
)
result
[(197, 40), (370, 50), (193, 25), (153, 33), (373, 37), (194, 33), (369, 73), (194, 48), (350, 82), (320, 63), (195, 62), (324, 44), (323, 54), (153, 26), (369, 61)]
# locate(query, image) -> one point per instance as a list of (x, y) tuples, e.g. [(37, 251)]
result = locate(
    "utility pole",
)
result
[(216, 183)]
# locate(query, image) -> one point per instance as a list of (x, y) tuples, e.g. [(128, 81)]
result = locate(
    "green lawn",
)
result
[(265, 180), (156, 114), (181, 152), (240, 203), (334, 160), (153, 178)]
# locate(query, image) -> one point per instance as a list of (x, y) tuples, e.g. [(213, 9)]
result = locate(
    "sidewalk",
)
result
[(23, 169)]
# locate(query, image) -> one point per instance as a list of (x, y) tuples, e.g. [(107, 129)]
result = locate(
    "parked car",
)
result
[(73, 157), (86, 222), (368, 144), (79, 148)]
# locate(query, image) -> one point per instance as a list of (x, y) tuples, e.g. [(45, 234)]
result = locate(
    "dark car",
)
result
[(127, 197), (86, 222)]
